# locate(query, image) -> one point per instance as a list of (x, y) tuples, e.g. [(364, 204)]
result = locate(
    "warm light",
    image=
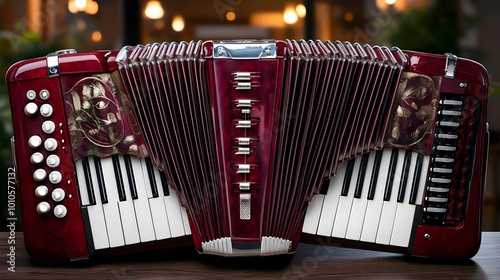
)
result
[(96, 36), (159, 24), (348, 17), (72, 6), (289, 16), (92, 8), (267, 19), (390, 2), (81, 25), (178, 23), (81, 4), (230, 16), (154, 10), (301, 10)]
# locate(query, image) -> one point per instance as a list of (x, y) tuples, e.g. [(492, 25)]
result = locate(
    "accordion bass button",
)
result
[(53, 161), (58, 194), (41, 191), (31, 94), (30, 109), (44, 94), (43, 208), (35, 141), (36, 158), (46, 110), (60, 211), (50, 144), (55, 177), (39, 175), (48, 127)]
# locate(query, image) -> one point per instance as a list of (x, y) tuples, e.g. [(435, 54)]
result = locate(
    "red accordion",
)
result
[(245, 148)]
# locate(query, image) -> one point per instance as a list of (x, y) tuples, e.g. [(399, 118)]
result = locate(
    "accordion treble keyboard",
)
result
[(245, 147)]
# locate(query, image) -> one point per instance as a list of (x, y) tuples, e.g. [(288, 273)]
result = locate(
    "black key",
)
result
[(130, 176), (416, 179), (376, 169), (88, 180), (100, 180), (404, 176), (164, 183), (118, 177), (151, 175), (324, 187), (361, 176), (347, 177), (390, 175)]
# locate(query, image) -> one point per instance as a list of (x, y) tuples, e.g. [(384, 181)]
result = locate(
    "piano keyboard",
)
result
[(128, 201), (372, 198)]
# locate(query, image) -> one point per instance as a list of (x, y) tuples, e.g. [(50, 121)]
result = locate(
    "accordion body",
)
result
[(245, 148)]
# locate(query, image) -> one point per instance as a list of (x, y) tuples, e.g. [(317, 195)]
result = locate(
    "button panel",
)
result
[(46, 147)]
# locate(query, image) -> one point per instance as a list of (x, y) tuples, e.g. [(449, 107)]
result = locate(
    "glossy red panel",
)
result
[(47, 238)]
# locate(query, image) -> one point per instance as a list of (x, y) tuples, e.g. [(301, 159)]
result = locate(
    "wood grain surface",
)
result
[(309, 262)]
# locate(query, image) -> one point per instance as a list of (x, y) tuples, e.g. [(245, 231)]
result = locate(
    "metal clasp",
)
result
[(451, 66)]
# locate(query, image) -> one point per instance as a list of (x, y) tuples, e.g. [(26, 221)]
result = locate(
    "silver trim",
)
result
[(435, 210), (244, 186), (243, 151), (451, 66), (243, 86), (244, 124), (245, 202), (243, 168), (244, 49)]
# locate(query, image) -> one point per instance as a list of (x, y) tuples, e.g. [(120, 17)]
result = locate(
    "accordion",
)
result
[(248, 147)]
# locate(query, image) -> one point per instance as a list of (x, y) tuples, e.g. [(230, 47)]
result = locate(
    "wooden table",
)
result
[(309, 262)]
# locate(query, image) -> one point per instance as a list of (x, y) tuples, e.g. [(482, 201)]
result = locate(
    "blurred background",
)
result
[(33, 28)]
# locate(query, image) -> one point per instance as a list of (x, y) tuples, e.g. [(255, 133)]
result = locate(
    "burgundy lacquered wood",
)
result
[(246, 230), (47, 238), (463, 241)]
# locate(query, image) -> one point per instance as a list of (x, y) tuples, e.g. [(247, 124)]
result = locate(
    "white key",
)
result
[(345, 203), (405, 212), (141, 204), (374, 207), (389, 207), (127, 209), (157, 206), (174, 212), (359, 204), (111, 209), (331, 201), (95, 212), (313, 214), (185, 221)]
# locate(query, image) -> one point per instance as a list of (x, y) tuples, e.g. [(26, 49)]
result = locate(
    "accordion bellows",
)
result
[(247, 147)]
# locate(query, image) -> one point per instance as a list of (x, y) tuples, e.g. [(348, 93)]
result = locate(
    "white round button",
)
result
[(35, 141), (39, 175), (36, 158), (58, 194), (43, 208), (55, 177), (53, 161), (46, 110), (41, 191), (48, 127), (31, 94), (50, 144), (60, 211), (30, 109), (44, 94)]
